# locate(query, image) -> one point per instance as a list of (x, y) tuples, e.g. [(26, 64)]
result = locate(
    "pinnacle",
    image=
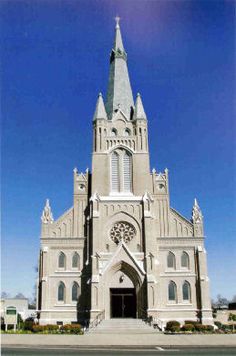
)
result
[(100, 111), (139, 112)]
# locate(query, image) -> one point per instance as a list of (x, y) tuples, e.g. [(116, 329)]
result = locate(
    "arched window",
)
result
[(185, 260), (62, 260), (115, 179), (186, 291), (127, 172), (75, 260), (121, 171), (171, 260), (113, 132), (75, 291), (127, 132), (172, 295), (61, 292)]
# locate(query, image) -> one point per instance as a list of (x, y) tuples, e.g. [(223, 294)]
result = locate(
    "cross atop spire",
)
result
[(117, 20)]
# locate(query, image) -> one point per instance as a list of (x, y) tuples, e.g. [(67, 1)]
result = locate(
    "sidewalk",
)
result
[(119, 340)]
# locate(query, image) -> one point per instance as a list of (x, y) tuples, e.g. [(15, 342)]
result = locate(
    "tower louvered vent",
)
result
[(127, 172), (115, 172)]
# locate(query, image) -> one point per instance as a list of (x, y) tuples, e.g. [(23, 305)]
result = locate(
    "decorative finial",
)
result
[(117, 20), (47, 214)]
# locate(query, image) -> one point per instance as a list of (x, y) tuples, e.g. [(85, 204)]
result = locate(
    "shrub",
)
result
[(38, 328), (198, 327), (28, 325), (173, 326), (187, 327), (204, 328), (52, 327), (192, 322), (71, 329), (218, 324), (49, 328)]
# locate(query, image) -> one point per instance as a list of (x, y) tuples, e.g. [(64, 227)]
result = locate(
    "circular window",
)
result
[(122, 231)]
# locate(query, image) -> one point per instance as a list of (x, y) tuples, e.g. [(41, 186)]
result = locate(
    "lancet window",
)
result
[(75, 291), (186, 291), (75, 260), (62, 260), (172, 295), (185, 260), (121, 171), (171, 260), (61, 292)]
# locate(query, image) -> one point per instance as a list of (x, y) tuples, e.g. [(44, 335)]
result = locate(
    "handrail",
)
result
[(99, 317), (158, 322)]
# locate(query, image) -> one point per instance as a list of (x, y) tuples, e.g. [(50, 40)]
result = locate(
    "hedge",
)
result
[(188, 327), (173, 326), (71, 329)]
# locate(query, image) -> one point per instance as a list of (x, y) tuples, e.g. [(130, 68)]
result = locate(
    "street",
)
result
[(112, 351)]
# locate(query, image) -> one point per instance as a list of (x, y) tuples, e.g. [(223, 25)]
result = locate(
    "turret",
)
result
[(197, 220)]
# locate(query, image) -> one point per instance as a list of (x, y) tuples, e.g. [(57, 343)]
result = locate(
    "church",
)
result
[(121, 250)]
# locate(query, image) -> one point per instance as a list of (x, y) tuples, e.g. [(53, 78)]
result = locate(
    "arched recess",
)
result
[(128, 272)]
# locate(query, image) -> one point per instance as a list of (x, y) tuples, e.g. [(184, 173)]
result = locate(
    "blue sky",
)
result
[(55, 60)]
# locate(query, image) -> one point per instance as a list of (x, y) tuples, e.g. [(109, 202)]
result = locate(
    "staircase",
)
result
[(123, 326)]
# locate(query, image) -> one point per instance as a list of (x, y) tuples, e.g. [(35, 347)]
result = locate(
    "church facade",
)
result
[(121, 250)]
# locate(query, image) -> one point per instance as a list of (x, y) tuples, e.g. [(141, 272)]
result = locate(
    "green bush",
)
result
[(218, 324), (192, 322), (198, 327), (204, 328), (71, 329), (38, 328), (49, 328), (28, 325), (187, 327), (173, 326)]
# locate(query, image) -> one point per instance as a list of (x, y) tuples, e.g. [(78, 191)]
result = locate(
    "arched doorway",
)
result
[(124, 291)]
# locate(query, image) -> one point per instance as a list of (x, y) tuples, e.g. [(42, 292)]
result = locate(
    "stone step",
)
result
[(123, 326)]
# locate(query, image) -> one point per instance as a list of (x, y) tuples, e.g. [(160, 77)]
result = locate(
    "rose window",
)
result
[(122, 231)]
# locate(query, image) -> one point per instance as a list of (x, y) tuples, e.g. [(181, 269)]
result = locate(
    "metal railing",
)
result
[(95, 322)]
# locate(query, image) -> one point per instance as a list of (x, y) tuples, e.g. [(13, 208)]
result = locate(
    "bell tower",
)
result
[(120, 162)]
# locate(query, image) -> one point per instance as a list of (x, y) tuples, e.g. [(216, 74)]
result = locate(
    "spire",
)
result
[(118, 43), (119, 94), (196, 213), (47, 214), (139, 112), (100, 111)]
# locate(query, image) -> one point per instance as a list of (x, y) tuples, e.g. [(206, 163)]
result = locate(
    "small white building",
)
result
[(21, 305)]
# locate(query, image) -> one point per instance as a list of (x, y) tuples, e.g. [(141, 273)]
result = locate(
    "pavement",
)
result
[(116, 340), (80, 351)]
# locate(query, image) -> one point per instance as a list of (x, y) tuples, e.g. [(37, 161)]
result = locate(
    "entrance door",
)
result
[(123, 302)]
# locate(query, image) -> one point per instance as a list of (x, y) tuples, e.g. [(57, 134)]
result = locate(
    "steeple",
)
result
[(139, 112), (119, 94), (100, 111)]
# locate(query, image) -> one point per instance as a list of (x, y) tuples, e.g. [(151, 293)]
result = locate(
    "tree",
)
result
[(221, 301), (233, 299), (19, 296), (5, 295)]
